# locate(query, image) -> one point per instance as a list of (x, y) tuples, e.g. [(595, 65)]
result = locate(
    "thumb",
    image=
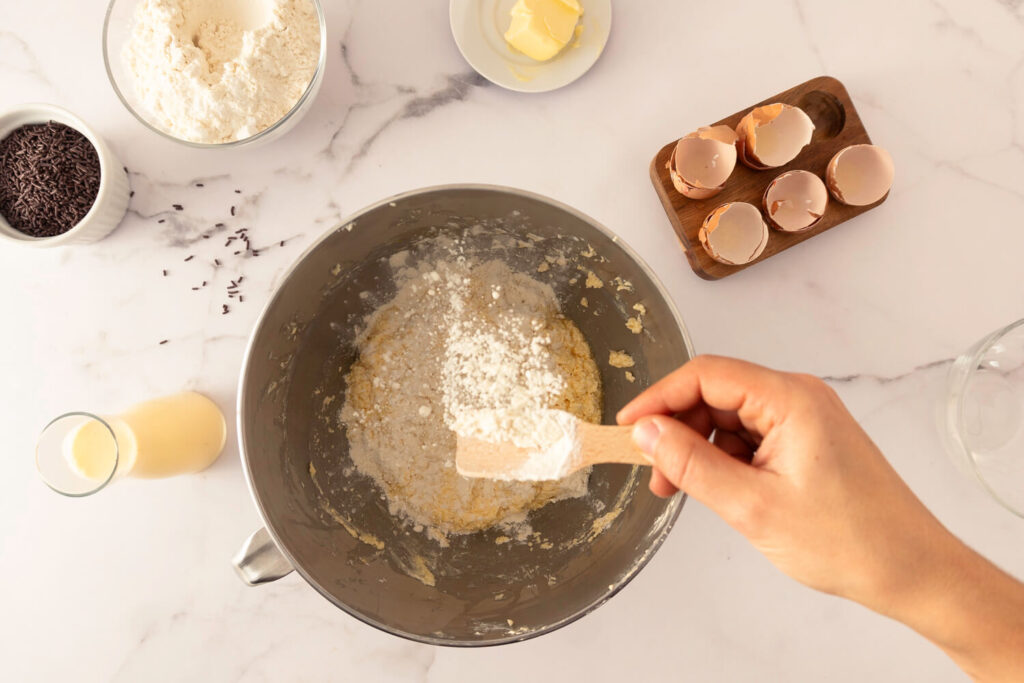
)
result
[(695, 465)]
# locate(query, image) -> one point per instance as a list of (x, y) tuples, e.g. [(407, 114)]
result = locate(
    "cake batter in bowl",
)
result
[(333, 524)]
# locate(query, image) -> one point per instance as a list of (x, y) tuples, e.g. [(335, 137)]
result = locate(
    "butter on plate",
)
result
[(542, 28)]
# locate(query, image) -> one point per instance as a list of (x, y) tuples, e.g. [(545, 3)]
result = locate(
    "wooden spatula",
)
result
[(592, 445)]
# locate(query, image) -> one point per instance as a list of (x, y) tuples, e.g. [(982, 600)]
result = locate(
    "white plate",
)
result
[(479, 28)]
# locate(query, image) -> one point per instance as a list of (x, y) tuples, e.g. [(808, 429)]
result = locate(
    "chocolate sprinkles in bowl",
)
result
[(60, 183), (49, 178)]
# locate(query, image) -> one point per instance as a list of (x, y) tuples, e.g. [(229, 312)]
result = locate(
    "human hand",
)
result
[(789, 468)]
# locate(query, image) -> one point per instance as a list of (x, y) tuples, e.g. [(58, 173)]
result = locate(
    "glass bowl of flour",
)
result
[(216, 73), (355, 376)]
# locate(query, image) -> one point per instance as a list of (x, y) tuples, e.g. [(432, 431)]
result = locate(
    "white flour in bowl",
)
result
[(455, 339), (215, 71)]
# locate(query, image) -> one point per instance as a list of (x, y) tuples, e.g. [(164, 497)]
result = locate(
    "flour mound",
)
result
[(215, 71), (457, 339)]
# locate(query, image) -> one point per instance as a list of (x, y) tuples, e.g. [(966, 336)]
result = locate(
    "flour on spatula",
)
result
[(550, 437)]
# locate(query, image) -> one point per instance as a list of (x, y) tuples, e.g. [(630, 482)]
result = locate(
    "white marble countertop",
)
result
[(134, 584)]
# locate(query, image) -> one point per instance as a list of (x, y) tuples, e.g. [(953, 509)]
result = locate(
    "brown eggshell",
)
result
[(734, 233), (773, 135), (795, 201), (860, 175), (702, 162)]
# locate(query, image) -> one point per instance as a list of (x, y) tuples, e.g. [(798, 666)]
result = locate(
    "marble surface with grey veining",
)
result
[(134, 584)]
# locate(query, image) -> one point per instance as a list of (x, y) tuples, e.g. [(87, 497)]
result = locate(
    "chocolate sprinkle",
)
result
[(178, 207), (165, 273), (163, 342), (190, 258), (49, 178)]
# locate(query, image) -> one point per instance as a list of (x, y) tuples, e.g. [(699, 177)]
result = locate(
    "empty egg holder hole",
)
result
[(827, 113)]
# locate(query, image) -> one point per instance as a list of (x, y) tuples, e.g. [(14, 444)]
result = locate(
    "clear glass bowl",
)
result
[(984, 414), (117, 28)]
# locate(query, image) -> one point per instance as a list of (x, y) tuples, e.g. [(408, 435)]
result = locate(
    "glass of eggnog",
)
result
[(80, 453)]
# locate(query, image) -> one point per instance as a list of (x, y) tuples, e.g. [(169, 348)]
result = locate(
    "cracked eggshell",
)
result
[(860, 175), (734, 233), (795, 201), (702, 161), (773, 135)]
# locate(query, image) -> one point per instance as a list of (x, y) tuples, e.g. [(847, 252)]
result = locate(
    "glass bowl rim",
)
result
[(972, 357), (306, 94)]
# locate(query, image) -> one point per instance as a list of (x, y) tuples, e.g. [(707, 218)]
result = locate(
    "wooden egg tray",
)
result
[(836, 126)]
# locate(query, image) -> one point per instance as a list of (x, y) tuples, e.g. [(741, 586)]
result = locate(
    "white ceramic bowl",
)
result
[(479, 26), (117, 30), (111, 200)]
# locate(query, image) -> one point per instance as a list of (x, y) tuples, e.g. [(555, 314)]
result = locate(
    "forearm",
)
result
[(820, 500), (971, 609)]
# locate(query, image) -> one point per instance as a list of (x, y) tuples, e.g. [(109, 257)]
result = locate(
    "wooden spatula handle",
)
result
[(603, 444)]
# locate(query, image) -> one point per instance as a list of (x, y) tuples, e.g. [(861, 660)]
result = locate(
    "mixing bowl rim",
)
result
[(673, 511)]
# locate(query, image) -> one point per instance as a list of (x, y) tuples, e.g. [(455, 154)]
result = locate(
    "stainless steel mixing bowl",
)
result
[(332, 525)]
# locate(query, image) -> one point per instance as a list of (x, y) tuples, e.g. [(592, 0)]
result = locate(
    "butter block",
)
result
[(542, 28)]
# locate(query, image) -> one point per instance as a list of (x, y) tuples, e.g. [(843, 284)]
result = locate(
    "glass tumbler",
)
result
[(984, 414), (54, 461)]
